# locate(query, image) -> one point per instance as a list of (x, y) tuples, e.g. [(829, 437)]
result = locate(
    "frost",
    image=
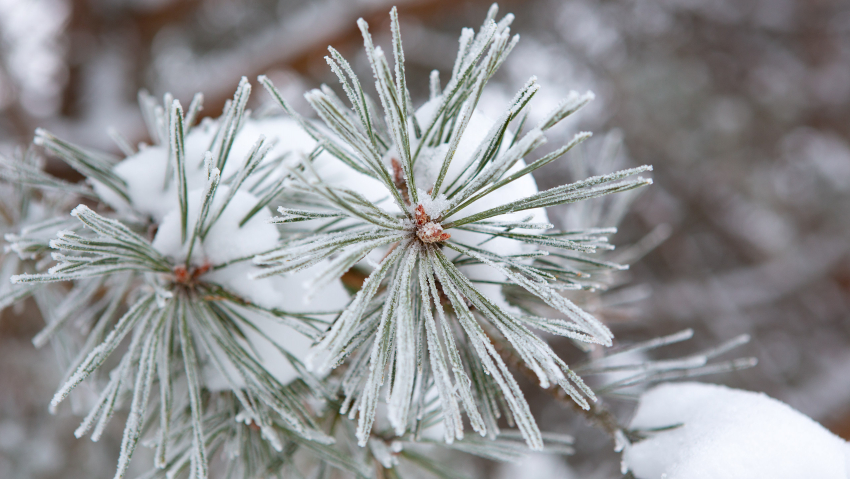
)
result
[(221, 291), (729, 434), (431, 233), (382, 453), (474, 134), (523, 187), (490, 204), (427, 166)]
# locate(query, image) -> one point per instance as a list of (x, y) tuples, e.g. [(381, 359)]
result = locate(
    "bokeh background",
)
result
[(742, 106)]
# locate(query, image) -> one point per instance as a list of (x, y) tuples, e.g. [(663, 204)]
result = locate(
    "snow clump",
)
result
[(706, 431)]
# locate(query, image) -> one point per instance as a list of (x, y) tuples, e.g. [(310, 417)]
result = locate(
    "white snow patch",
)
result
[(282, 132), (145, 171), (476, 131), (730, 434), (434, 208), (226, 240), (287, 293), (338, 174), (427, 167)]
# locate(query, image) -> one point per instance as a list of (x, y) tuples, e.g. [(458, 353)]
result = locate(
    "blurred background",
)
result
[(742, 106)]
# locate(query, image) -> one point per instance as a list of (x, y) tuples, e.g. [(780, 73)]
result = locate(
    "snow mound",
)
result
[(284, 135), (145, 172), (226, 240), (730, 434)]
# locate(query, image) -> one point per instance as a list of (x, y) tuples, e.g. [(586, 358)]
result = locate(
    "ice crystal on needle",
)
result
[(451, 181)]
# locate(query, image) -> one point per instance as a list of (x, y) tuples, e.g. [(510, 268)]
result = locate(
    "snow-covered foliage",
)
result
[(702, 431), (443, 168), (188, 214)]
